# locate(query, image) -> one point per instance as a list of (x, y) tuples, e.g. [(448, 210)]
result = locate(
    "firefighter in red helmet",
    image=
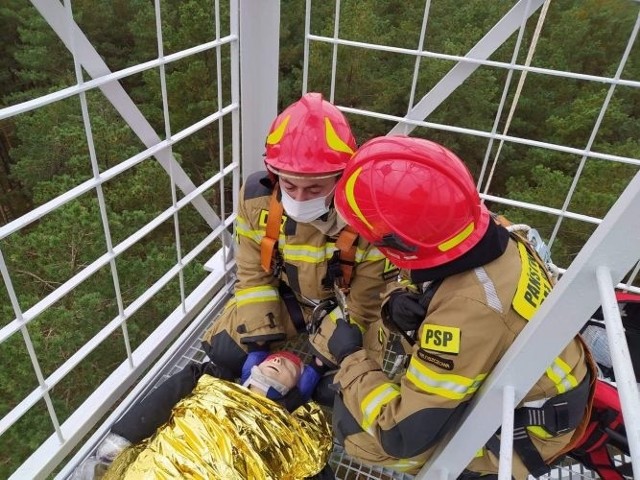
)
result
[(294, 253), (466, 298)]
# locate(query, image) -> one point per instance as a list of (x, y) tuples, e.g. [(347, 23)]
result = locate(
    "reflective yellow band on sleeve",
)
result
[(368, 255), (539, 432), (337, 313), (404, 465), (260, 294), (560, 374), (446, 385), (243, 230), (375, 400)]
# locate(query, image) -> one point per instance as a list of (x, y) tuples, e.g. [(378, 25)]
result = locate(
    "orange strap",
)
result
[(269, 243), (346, 243)]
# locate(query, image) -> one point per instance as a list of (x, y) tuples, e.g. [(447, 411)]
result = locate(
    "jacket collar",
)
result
[(492, 245)]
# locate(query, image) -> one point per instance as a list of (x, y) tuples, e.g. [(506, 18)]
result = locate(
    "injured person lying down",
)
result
[(222, 429)]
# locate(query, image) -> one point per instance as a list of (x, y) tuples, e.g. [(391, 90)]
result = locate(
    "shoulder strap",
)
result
[(346, 244), (269, 243)]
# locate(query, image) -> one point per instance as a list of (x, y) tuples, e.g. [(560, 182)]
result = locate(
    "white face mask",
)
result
[(306, 211)]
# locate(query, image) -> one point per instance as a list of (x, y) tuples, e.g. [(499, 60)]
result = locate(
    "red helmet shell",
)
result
[(311, 136), (414, 199)]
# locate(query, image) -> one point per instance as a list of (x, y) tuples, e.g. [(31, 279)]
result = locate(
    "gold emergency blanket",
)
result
[(224, 431)]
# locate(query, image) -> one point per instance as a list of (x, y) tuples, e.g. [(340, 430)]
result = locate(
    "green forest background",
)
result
[(44, 153)]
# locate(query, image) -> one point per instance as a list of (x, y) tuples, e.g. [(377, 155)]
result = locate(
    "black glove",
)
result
[(258, 347), (325, 391), (404, 311), (219, 371), (346, 339)]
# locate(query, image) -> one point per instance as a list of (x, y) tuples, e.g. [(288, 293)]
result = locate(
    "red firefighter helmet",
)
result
[(414, 199), (311, 136)]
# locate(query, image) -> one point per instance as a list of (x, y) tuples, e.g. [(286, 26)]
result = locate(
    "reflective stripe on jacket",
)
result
[(306, 252), (470, 324)]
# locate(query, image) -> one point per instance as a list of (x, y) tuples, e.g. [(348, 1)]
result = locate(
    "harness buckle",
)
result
[(561, 411), (278, 264)]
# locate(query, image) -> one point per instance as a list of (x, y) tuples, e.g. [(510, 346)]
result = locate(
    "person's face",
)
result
[(302, 189), (282, 370)]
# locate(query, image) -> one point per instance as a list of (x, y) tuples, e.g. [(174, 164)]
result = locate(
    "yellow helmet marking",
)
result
[(274, 137), (333, 140), (351, 200), (458, 239)]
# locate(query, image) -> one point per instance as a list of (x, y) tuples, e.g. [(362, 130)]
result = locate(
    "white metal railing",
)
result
[(68, 433), (253, 48)]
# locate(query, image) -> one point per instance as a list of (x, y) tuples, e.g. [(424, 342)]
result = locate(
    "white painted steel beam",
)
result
[(259, 56), (622, 366), (42, 462), (496, 37)]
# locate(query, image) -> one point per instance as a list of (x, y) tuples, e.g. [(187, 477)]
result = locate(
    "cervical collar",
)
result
[(264, 383)]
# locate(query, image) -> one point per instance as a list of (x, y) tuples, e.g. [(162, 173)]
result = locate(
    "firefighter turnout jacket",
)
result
[(277, 305), (471, 321)]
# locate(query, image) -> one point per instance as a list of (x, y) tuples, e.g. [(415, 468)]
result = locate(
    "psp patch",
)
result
[(440, 338)]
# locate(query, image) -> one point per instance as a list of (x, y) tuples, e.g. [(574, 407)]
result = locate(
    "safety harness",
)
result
[(339, 268), (559, 414), (270, 257)]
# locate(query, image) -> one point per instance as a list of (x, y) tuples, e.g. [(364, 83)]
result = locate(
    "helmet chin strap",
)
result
[(263, 382)]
